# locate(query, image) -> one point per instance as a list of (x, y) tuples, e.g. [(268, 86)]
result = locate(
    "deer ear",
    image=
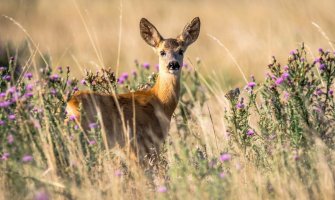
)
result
[(191, 32), (149, 33)]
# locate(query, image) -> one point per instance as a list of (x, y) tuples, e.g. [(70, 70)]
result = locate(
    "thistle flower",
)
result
[(279, 81), (222, 175), (93, 125), (41, 195), (250, 132), (29, 87), (54, 77), (162, 189), (28, 75), (146, 65), (125, 75), (134, 73), (27, 158), (10, 139), (5, 156), (4, 104), (225, 157), (118, 173), (92, 142), (2, 123), (83, 82), (322, 67), (12, 117), (7, 77), (251, 84)]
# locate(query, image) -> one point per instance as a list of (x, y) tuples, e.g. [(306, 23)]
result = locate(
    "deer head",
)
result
[(170, 51)]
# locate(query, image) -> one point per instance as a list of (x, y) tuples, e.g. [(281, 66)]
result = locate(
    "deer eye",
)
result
[(162, 53), (181, 52)]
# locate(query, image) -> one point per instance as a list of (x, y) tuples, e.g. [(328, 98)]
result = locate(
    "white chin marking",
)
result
[(171, 71)]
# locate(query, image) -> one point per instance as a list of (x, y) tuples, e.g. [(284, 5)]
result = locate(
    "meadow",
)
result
[(255, 119)]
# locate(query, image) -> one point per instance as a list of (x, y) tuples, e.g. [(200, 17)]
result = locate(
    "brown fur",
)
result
[(143, 117)]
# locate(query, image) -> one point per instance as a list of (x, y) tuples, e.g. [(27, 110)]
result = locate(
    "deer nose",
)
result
[(174, 65)]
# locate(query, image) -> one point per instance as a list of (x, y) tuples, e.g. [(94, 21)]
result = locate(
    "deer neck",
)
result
[(166, 89)]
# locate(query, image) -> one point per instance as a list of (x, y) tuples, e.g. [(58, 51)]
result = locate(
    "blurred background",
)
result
[(85, 33)]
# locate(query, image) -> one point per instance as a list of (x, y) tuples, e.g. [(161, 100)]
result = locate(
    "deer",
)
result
[(146, 113)]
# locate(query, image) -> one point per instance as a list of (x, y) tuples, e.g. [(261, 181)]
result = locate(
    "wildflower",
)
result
[(286, 95), (279, 81), (318, 92), (83, 82), (41, 195), (11, 90), (72, 117), (5, 156), (185, 65), (146, 65), (53, 91), (317, 60), (286, 68), (93, 125), (27, 158), (285, 75), (322, 67), (92, 142), (222, 175), (320, 50), (118, 173), (75, 88), (28, 75), (125, 75), (331, 92), (2, 122), (10, 139), (120, 80), (162, 189), (60, 69), (4, 104), (293, 52), (225, 157), (6, 77), (134, 73), (12, 117), (2, 94), (251, 84), (240, 105), (250, 132), (28, 94), (29, 87), (2, 68), (54, 77)]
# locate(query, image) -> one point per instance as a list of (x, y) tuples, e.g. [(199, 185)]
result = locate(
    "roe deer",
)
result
[(147, 113)]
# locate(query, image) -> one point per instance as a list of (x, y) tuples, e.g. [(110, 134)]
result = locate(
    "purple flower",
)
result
[(222, 175), (279, 81), (285, 75), (75, 88), (12, 117), (60, 69), (4, 104), (2, 68), (11, 90), (72, 117), (251, 84), (83, 82), (293, 52), (29, 87), (125, 75), (54, 77), (240, 105), (317, 60), (93, 125), (134, 73), (10, 139), (2, 94), (185, 65), (162, 189), (331, 92), (6, 77), (2, 122), (53, 91), (121, 80), (27, 158), (322, 67), (286, 67), (118, 173), (225, 157), (28, 94), (41, 195), (318, 92), (92, 142), (146, 65), (286, 95), (250, 132), (5, 156), (28, 75), (320, 50)]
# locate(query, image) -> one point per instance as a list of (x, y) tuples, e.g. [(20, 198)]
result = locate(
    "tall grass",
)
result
[(266, 140)]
